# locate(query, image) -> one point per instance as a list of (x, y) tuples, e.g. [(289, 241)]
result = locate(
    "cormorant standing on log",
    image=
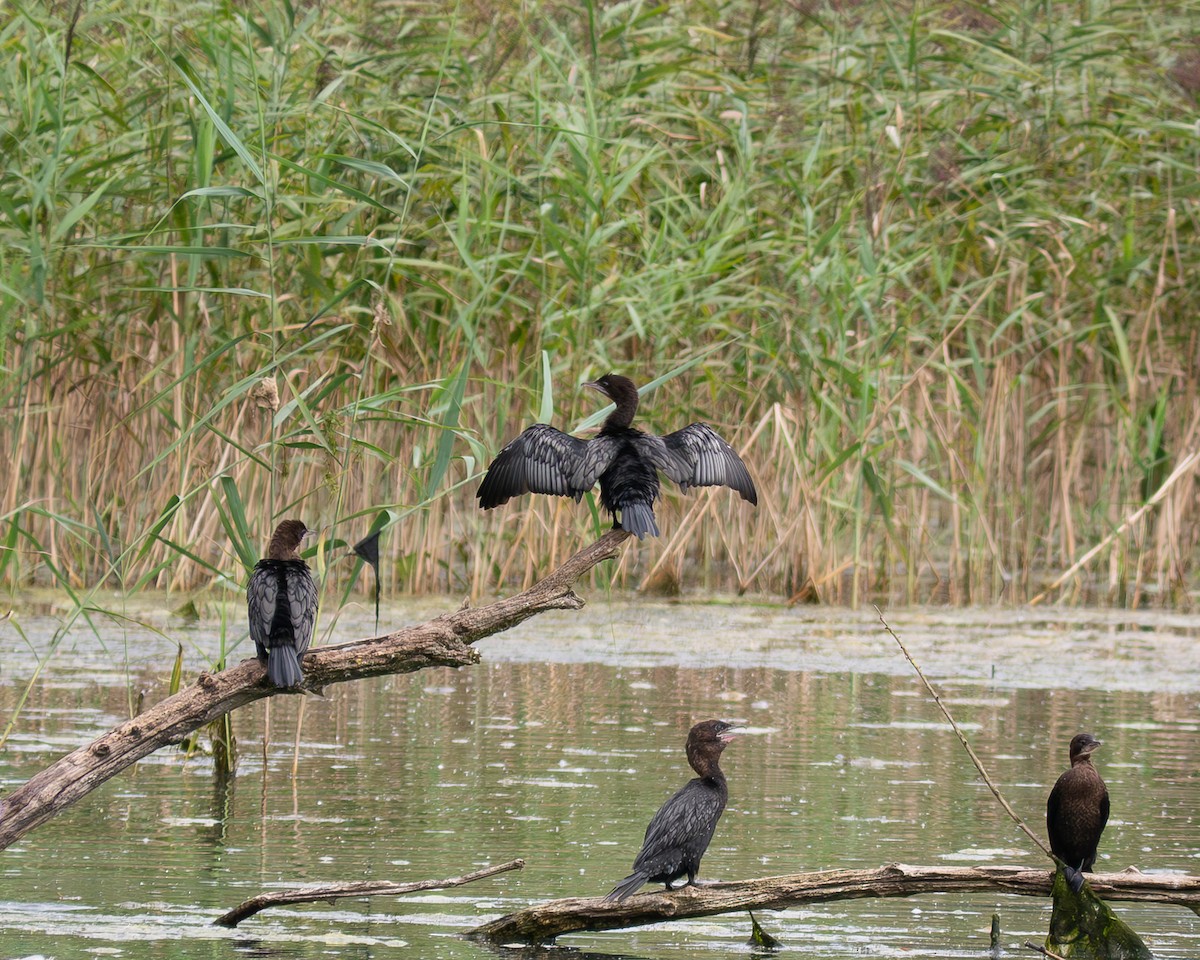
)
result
[(282, 602), (1077, 810), (681, 830), (625, 461)]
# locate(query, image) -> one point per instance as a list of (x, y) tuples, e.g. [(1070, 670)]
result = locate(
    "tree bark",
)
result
[(546, 921), (364, 888), (441, 642)]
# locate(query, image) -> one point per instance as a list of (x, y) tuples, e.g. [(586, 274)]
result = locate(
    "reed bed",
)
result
[(931, 267)]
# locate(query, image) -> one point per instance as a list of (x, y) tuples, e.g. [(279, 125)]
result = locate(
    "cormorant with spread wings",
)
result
[(625, 461)]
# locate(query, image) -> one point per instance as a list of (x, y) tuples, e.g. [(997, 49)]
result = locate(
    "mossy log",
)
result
[(546, 921), (441, 642), (1082, 927)]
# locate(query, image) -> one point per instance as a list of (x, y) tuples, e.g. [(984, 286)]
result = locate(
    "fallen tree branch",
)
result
[(364, 888), (441, 642), (546, 921)]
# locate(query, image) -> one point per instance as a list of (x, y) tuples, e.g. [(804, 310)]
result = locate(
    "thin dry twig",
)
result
[(963, 740), (1030, 945)]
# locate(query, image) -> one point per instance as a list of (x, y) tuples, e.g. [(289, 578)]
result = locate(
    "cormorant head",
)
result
[(616, 387), (286, 540), (706, 741), (1082, 745)]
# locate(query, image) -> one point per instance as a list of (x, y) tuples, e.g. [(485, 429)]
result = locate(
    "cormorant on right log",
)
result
[(1077, 810), (625, 461), (681, 830), (281, 598)]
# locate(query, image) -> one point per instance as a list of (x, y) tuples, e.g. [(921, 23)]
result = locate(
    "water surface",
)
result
[(559, 747)]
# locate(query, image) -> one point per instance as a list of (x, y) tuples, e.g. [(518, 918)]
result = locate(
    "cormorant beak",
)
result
[(728, 735), (597, 387)]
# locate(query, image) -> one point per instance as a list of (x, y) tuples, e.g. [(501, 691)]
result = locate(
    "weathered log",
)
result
[(543, 922), (363, 888), (441, 642)]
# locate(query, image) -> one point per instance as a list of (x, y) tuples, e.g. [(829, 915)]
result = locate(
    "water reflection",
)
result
[(560, 746)]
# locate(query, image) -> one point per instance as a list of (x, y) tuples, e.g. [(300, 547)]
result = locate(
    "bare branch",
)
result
[(546, 921), (364, 888), (441, 642)]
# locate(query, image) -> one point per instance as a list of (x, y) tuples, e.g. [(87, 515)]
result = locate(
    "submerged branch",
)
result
[(363, 888), (546, 921), (441, 642)]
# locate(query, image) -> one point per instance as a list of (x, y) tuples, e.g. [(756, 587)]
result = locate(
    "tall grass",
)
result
[(935, 264)]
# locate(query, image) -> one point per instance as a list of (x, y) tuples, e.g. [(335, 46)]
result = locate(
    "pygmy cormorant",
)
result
[(282, 602), (1077, 810), (681, 830), (625, 461)]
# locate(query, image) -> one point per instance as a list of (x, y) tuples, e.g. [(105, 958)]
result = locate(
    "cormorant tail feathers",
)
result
[(627, 887), (638, 519), (283, 667)]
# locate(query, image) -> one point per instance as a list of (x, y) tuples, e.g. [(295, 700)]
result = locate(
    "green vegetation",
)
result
[(933, 269)]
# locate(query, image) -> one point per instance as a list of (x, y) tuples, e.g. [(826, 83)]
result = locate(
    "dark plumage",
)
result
[(1077, 810), (625, 461), (681, 830), (281, 598)]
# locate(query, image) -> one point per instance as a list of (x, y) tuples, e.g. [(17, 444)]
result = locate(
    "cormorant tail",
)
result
[(638, 519), (283, 667), (627, 887)]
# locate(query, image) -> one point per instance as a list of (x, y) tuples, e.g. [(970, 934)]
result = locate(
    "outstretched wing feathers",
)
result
[(696, 456), (541, 459), (598, 455)]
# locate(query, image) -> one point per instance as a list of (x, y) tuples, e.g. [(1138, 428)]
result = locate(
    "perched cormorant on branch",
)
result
[(282, 602), (681, 830), (625, 461), (1077, 810)]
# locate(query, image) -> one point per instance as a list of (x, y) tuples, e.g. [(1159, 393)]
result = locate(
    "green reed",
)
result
[(927, 266)]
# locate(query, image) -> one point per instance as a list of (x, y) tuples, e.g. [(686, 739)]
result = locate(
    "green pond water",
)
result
[(559, 747)]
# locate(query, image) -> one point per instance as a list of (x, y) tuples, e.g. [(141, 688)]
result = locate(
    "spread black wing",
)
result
[(696, 456), (543, 460)]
